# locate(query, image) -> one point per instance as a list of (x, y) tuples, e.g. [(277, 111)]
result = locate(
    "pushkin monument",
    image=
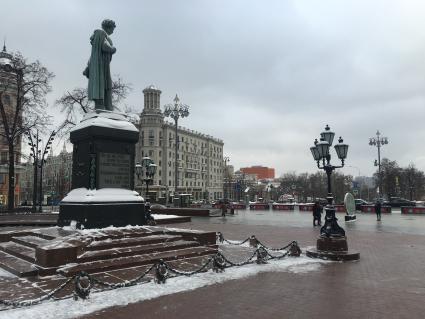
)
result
[(104, 152), (98, 68)]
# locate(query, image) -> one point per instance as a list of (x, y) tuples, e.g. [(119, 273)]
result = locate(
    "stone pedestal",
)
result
[(333, 248), (103, 174)]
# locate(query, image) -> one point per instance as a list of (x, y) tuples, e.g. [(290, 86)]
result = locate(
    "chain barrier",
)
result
[(84, 283), (26, 303), (254, 242), (126, 283), (221, 239)]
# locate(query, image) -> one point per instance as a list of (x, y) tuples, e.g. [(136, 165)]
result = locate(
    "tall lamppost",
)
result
[(149, 169), (38, 154), (33, 143), (332, 243), (378, 141), (226, 159), (175, 111)]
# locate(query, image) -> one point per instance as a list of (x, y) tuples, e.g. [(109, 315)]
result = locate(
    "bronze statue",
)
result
[(98, 68)]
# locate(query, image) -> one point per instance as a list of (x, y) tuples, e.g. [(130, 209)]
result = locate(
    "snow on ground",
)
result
[(4, 273), (120, 297), (159, 216)]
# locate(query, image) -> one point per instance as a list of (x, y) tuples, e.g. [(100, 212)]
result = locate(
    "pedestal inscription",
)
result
[(114, 170)]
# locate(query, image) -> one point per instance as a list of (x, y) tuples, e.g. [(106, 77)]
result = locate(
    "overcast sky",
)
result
[(264, 76)]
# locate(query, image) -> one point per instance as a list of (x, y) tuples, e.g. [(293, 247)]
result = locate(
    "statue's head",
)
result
[(108, 26)]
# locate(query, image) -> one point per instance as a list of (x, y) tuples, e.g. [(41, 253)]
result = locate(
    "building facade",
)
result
[(56, 180), (200, 156), (261, 171), (8, 91)]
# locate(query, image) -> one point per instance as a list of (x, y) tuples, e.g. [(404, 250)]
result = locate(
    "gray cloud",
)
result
[(265, 76)]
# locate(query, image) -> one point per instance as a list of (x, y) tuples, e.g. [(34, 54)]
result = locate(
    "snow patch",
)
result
[(108, 195), (69, 308), (106, 119), (4, 273), (159, 216)]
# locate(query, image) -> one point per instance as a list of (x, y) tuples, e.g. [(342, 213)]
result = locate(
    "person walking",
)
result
[(316, 213), (223, 209), (319, 215), (378, 209)]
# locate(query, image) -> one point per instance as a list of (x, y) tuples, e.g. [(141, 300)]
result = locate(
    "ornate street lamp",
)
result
[(175, 111), (378, 141), (149, 169), (332, 243), (38, 155), (226, 175)]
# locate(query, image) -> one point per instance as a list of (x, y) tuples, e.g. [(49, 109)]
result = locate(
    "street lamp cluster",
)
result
[(176, 111), (145, 172), (378, 141), (38, 154), (332, 243), (320, 152)]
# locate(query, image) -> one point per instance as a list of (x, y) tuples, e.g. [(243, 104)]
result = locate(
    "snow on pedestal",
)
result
[(103, 195), (106, 119)]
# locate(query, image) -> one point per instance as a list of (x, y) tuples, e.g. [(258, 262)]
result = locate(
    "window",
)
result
[(150, 153), (142, 138), (3, 157), (6, 100), (151, 137)]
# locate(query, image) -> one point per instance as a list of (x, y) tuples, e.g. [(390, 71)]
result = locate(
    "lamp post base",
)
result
[(333, 248)]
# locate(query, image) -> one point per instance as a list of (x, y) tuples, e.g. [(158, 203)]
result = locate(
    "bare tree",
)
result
[(75, 103), (23, 88)]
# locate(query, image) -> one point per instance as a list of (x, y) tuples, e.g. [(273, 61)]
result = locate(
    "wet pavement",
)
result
[(387, 282), (394, 222)]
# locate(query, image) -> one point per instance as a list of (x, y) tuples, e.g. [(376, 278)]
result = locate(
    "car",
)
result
[(359, 202), (398, 202)]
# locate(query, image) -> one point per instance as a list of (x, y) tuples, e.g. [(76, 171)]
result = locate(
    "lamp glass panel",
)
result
[(341, 150), (146, 161), (151, 169), (328, 136), (323, 148), (315, 153)]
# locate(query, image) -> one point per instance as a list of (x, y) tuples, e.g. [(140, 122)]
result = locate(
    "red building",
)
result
[(261, 171)]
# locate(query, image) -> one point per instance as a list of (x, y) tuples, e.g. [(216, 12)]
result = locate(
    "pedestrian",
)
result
[(316, 213), (223, 209), (378, 209), (319, 216)]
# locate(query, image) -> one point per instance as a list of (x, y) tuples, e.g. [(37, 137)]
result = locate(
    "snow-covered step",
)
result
[(30, 241), (16, 265), (132, 261), (122, 233), (135, 250), (18, 250), (132, 241)]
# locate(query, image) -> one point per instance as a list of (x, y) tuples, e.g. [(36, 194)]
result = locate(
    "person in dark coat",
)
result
[(378, 210), (317, 214)]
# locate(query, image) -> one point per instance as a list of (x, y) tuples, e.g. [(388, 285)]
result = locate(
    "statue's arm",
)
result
[(108, 47)]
